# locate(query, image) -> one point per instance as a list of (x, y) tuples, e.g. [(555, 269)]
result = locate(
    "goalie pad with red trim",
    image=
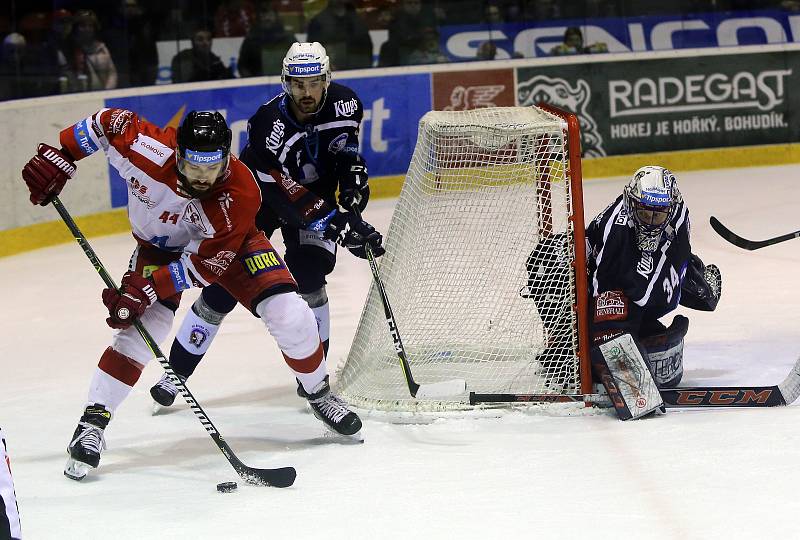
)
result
[(620, 366)]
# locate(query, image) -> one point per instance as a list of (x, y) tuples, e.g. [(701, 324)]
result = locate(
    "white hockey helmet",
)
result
[(651, 198), (306, 60)]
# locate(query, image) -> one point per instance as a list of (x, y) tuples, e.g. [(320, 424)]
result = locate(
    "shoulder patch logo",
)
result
[(152, 149), (337, 143), (193, 216)]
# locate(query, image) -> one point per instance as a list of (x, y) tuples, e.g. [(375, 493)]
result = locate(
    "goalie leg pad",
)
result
[(619, 364), (665, 353)]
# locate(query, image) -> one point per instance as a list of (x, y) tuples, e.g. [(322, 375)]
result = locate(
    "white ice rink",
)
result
[(688, 474)]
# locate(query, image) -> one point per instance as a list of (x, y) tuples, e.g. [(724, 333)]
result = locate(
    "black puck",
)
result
[(226, 487)]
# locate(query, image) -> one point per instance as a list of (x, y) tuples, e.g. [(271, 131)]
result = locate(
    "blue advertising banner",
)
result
[(627, 34), (393, 106)]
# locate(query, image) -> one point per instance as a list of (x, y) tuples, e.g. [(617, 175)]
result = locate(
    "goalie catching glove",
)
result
[(128, 303), (353, 233)]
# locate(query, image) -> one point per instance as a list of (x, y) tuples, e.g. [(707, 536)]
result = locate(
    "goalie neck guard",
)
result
[(306, 60)]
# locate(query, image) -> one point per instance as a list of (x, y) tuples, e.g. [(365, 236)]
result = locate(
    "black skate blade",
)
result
[(280, 478)]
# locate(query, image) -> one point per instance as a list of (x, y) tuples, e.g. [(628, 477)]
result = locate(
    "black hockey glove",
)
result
[(353, 184), (353, 233)]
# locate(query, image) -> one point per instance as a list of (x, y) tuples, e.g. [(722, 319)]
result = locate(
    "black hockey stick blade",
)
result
[(744, 243), (282, 477), (784, 393)]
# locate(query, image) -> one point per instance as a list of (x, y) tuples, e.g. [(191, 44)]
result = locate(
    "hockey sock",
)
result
[(194, 337), (318, 302), (291, 322), (113, 379)]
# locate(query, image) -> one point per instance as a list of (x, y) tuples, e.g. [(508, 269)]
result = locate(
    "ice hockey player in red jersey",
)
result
[(303, 148), (192, 209)]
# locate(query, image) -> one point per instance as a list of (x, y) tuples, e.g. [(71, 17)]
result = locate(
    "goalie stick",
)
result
[(744, 243), (777, 395), (280, 477), (429, 390)]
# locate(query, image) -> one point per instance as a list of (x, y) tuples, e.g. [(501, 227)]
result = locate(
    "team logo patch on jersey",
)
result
[(193, 216), (345, 108), (338, 143), (120, 120), (610, 306), (260, 262), (219, 262), (275, 138), (151, 149)]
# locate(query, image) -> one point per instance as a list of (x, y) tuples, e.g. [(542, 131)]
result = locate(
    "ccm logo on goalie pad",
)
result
[(610, 306), (262, 261)]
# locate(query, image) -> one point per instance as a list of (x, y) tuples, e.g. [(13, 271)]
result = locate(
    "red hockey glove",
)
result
[(46, 173), (129, 302)]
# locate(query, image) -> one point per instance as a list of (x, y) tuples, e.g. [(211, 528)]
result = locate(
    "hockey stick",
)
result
[(429, 390), (777, 395), (281, 477), (784, 393), (744, 243)]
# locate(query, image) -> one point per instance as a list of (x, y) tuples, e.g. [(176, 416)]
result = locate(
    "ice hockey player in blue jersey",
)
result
[(302, 147), (641, 267)]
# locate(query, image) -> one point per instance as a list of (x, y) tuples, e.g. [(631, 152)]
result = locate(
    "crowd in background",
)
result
[(62, 46)]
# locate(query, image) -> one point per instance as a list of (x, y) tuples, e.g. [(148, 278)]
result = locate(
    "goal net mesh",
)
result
[(477, 266)]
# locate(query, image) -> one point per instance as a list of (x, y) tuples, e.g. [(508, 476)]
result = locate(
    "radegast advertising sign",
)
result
[(628, 34), (393, 106), (663, 104)]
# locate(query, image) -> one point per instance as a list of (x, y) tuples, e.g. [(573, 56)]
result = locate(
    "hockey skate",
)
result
[(332, 410), (164, 392), (87, 442)]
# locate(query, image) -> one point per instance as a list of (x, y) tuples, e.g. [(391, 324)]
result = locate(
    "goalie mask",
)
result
[(306, 76), (651, 199), (204, 145)]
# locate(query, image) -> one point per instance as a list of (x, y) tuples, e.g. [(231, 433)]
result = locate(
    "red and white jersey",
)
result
[(209, 231)]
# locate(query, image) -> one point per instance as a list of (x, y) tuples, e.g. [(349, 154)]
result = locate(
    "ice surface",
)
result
[(689, 474)]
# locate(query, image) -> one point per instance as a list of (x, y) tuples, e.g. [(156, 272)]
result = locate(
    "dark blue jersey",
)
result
[(651, 282), (299, 165)]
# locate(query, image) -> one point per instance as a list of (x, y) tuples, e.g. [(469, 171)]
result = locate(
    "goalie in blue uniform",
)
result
[(640, 268)]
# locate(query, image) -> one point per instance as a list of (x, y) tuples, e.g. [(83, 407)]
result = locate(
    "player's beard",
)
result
[(308, 105)]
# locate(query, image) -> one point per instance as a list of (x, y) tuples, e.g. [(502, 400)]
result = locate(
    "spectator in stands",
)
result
[(492, 15), (573, 44), (89, 63), (44, 61), (406, 32), (199, 63), (132, 40), (12, 66), (344, 34), (427, 50), (264, 47), (486, 51), (234, 18)]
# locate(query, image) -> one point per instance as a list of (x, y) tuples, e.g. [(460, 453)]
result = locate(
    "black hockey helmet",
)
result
[(204, 146)]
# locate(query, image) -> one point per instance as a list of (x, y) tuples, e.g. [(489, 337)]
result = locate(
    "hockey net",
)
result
[(480, 266)]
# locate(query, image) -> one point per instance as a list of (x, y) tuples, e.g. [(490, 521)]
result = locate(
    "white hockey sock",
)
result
[(107, 390), (196, 333), (323, 316)]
